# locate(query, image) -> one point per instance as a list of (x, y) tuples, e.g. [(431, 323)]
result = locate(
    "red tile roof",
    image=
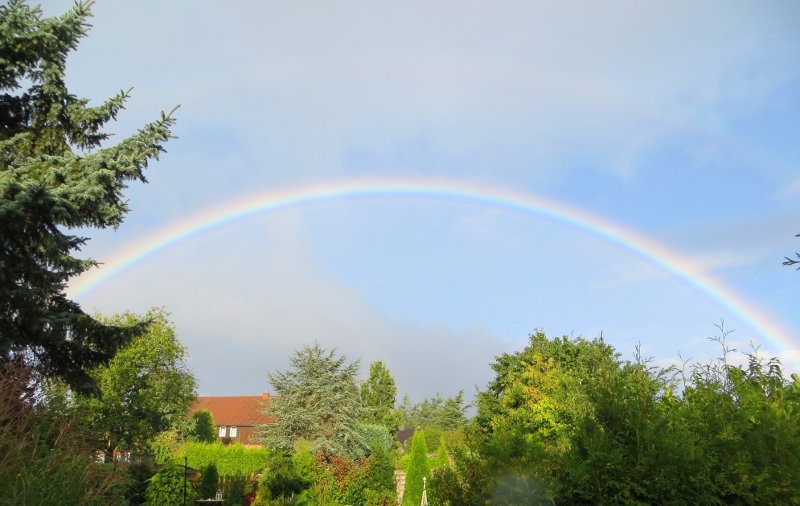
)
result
[(239, 411)]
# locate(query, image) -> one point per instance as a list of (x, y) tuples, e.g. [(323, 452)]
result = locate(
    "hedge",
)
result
[(231, 460)]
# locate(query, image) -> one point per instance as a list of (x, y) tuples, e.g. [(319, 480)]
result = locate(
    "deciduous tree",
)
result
[(147, 387), (56, 176)]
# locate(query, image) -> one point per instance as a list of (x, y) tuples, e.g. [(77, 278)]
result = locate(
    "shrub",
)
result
[(370, 432), (43, 458), (164, 444), (139, 477), (231, 460), (234, 491), (166, 488), (210, 482), (281, 478), (444, 488)]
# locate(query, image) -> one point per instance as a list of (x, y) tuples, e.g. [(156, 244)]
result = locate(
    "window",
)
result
[(233, 431), (222, 431)]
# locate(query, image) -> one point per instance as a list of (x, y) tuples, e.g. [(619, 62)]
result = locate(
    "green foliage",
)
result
[(55, 176), (374, 482), (284, 477), (139, 477), (210, 482), (318, 402), (379, 433), (380, 486), (436, 413), (233, 494), (204, 429), (445, 488), (442, 459), (378, 395), (147, 387), (166, 488), (230, 460), (43, 457), (566, 421), (418, 469), (164, 444)]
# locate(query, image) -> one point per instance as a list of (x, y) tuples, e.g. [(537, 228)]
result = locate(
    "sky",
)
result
[(674, 121)]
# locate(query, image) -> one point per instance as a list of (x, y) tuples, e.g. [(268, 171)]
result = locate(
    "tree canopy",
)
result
[(318, 403), (147, 387), (56, 175), (567, 421), (444, 414), (378, 396)]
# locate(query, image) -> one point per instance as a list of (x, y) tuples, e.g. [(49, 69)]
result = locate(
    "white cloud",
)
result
[(791, 189), (261, 297), (542, 84)]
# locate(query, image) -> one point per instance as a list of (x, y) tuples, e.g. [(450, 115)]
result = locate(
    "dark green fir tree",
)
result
[(56, 176)]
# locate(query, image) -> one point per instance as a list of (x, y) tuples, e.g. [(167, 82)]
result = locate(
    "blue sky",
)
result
[(676, 120)]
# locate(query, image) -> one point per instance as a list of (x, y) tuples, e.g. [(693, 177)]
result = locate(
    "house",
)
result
[(236, 418), (404, 435)]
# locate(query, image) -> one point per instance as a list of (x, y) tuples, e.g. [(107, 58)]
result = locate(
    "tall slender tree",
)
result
[(378, 396), (418, 469), (56, 175)]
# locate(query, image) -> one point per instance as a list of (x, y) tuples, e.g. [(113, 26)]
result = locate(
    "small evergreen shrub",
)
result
[(233, 494), (166, 488), (139, 475), (210, 482)]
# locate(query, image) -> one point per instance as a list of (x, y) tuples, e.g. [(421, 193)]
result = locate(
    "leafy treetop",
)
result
[(147, 387)]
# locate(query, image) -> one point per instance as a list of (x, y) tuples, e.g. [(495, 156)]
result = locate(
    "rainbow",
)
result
[(273, 200)]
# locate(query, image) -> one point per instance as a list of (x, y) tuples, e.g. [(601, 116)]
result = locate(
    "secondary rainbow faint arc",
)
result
[(272, 200)]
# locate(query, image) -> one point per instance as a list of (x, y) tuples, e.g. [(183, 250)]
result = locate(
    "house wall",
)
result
[(245, 434)]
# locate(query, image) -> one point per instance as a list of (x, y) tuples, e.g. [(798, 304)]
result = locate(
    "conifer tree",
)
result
[(318, 403), (210, 482), (442, 460), (417, 469), (378, 396), (56, 175), (204, 429), (382, 472)]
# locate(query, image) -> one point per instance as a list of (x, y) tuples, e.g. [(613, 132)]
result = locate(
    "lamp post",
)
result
[(185, 466)]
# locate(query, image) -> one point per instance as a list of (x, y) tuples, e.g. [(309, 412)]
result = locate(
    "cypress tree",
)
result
[(55, 176), (210, 482), (204, 429), (417, 469), (442, 460)]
